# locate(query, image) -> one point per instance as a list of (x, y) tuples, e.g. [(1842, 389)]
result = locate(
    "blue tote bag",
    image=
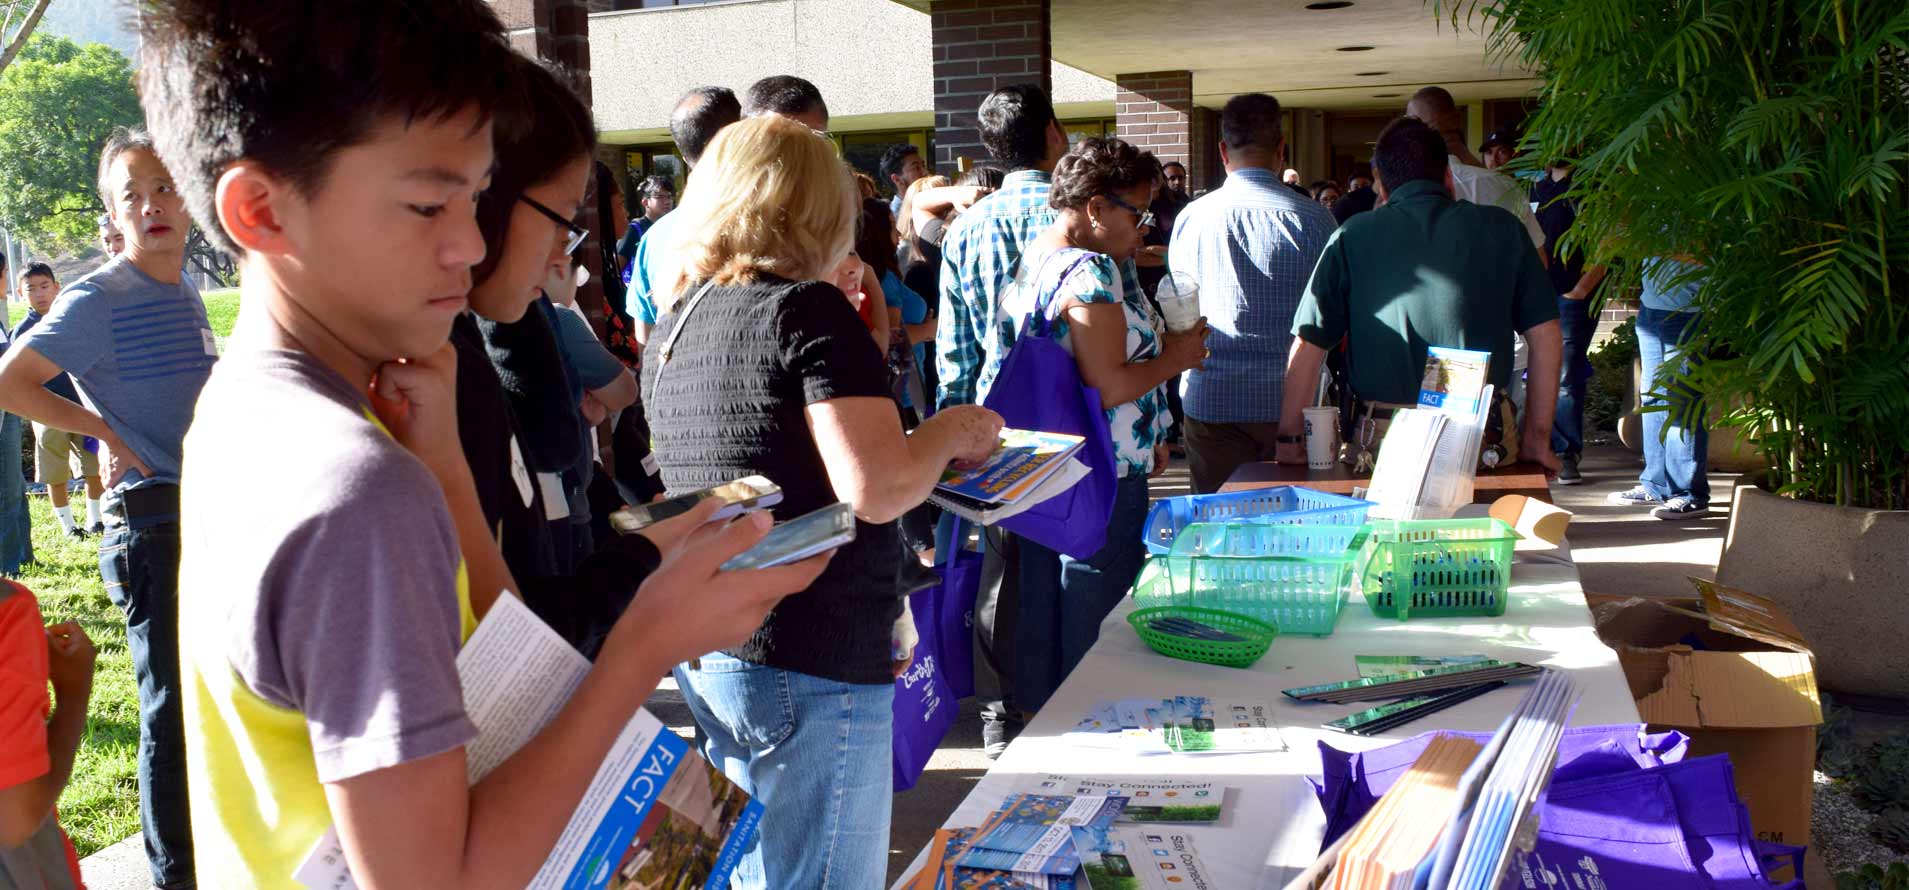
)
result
[(1039, 388)]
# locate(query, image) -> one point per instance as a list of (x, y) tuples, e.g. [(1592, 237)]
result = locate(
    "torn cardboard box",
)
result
[(1731, 670)]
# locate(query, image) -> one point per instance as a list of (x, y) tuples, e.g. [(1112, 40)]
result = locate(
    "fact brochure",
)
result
[(655, 815)]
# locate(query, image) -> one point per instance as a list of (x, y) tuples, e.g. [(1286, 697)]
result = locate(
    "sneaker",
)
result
[(1635, 496), (97, 528), (996, 733), (1568, 470), (1680, 508), (76, 533)]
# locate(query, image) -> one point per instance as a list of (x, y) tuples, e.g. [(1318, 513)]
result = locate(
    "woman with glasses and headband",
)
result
[(758, 366), (1100, 189), (527, 220)]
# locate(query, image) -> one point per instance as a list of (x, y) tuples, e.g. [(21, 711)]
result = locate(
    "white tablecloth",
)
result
[(1274, 824)]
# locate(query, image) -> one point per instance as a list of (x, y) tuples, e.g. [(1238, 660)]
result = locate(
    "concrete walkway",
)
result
[(1618, 549)]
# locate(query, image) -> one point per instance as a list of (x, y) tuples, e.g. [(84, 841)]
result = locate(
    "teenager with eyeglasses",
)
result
[(1099, 192)]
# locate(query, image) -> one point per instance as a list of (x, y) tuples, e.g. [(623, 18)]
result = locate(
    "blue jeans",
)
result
[(1676, 457), (141, 568), (1567, 426), (1063, 599), (818, 754)]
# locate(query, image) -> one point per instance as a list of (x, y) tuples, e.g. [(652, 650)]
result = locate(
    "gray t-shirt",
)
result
[(338, 594), (140, 350)]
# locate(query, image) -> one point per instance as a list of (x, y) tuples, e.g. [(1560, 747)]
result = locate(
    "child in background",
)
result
[(57, 448), (38, 741)]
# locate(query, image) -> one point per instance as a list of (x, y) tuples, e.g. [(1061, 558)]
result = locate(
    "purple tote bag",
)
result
[(954, 614), (1039, 388), (924, 707)]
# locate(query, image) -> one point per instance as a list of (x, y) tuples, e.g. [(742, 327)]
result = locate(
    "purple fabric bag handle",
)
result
[(1040, 388), (924, 709), (954, 614)]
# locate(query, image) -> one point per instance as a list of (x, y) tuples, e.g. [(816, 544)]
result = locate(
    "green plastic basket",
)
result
[(1437, 568), (1258, 636), (1294, 577)]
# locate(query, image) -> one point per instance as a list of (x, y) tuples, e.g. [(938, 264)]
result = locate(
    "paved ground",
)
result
[(1618, 550)]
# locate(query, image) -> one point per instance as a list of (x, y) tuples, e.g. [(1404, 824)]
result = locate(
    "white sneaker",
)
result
[(1635, 496)]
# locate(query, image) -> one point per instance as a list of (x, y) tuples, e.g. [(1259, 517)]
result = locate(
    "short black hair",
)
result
[(699, 115), (291, 84), (120, 141), (872, 232), (1409, 149), (1163, 167), (40, 269), (984, 174), (657, 185), (1013, 122), (554, 129), (783, 94), (896, 156), (1100, 165), (1250, 120)]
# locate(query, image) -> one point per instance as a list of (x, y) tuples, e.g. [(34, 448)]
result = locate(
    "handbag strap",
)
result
[(682, 321), (1037, 322)]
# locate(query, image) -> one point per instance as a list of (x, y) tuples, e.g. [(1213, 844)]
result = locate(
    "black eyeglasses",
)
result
[(577, 232), (1146, 216)]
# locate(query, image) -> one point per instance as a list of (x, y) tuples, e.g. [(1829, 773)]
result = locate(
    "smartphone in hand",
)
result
[(739, 496), (798, 539)]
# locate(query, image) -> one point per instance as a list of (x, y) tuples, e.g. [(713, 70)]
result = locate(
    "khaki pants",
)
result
[(1215, 450), (57, 448)]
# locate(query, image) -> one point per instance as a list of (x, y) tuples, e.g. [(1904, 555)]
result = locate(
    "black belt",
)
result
[(149, 502)]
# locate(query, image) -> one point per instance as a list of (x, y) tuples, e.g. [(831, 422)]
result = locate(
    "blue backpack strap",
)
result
[(1037, 322)]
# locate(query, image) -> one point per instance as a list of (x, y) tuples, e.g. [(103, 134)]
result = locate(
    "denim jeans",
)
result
[(1567, 427), (1063, 600), (818, 754), (141, 569), (1676, 457)]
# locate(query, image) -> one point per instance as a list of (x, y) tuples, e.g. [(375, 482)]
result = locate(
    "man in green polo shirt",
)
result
[(1424, 270)]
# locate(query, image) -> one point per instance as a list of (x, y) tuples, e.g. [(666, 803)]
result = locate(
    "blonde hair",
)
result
[(905, 220), (865, 183), (771, 197)]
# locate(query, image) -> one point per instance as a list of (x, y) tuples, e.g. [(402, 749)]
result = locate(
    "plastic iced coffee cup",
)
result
[(1179, 298), (1322, 437)]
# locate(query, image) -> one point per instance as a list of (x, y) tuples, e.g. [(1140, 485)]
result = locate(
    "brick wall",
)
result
[(1153, 111), (980, 46)]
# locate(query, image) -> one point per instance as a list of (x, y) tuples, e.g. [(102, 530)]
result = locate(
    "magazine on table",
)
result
[(1149, 799), (1182, 724), (655, 815)]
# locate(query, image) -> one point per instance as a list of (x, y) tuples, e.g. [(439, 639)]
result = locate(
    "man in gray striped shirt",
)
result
[(1250, 245)]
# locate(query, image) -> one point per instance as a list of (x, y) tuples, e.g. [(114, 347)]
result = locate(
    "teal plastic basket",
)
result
[(1436, 568), (1294, 577), (1283, 505)]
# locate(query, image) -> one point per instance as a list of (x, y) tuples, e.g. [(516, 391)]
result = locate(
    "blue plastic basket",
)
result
[(1288, 504), (1295, 577)]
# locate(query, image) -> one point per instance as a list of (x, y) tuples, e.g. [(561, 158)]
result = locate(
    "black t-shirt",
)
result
[(1557, 217), (1353, 203), (730, 403)]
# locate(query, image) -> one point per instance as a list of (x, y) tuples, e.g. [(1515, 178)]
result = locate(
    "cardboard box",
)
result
[(1732, 671)]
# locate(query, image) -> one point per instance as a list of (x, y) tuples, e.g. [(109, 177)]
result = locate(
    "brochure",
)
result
[(1030, 833), (1185, 724), (1454, 380), (1375, 666), (1148, 799), (940, 873), (655, 815), (1015, 469), (1134, 857), (1051, 486)]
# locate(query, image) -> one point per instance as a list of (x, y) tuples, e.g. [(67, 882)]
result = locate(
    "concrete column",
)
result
[(1203, 167), (981, 46), (1153, 110)]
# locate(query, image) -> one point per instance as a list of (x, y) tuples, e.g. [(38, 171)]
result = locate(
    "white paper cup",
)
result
[(1322, 437), (1179, 299)]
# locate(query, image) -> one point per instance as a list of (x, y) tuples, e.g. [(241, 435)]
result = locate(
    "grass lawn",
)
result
[(101, 803)]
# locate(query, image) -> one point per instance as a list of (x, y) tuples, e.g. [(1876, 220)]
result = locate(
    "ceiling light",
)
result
[(1332, 4), (1354, 49)]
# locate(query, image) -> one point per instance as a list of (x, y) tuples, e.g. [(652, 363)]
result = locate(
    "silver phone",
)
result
[(739, 495), (798, 539)]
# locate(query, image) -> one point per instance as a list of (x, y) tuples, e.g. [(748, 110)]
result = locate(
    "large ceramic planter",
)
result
[(1843, 574)]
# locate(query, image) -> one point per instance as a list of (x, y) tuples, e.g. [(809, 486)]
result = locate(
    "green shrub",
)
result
[(1875, 877), (1607, 397)]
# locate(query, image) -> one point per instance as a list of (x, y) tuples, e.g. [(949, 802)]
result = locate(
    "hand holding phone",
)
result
[(738, 496), (798, 539)]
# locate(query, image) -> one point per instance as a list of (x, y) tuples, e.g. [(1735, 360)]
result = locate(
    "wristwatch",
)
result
[(1290, 440)]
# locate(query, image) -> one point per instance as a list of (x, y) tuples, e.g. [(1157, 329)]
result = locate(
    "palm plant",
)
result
[(1768, 141)]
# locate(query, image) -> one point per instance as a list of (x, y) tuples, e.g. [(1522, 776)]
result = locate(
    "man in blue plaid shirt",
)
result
[(983, 245)]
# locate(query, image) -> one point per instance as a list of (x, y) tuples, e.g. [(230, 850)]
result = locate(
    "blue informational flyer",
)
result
[(1024, 459), (1033, 833), (1454, 380)]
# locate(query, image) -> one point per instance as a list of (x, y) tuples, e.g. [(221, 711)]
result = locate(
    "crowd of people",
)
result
[(410, 372)]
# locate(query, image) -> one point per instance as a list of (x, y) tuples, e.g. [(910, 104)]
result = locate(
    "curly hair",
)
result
[(1100, 165)]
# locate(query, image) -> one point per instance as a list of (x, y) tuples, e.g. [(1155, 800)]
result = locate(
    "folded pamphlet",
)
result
[(1015, 470), (1141, 857), (1030, 833), (1190, 801), (1183, 724), (655, 815)]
